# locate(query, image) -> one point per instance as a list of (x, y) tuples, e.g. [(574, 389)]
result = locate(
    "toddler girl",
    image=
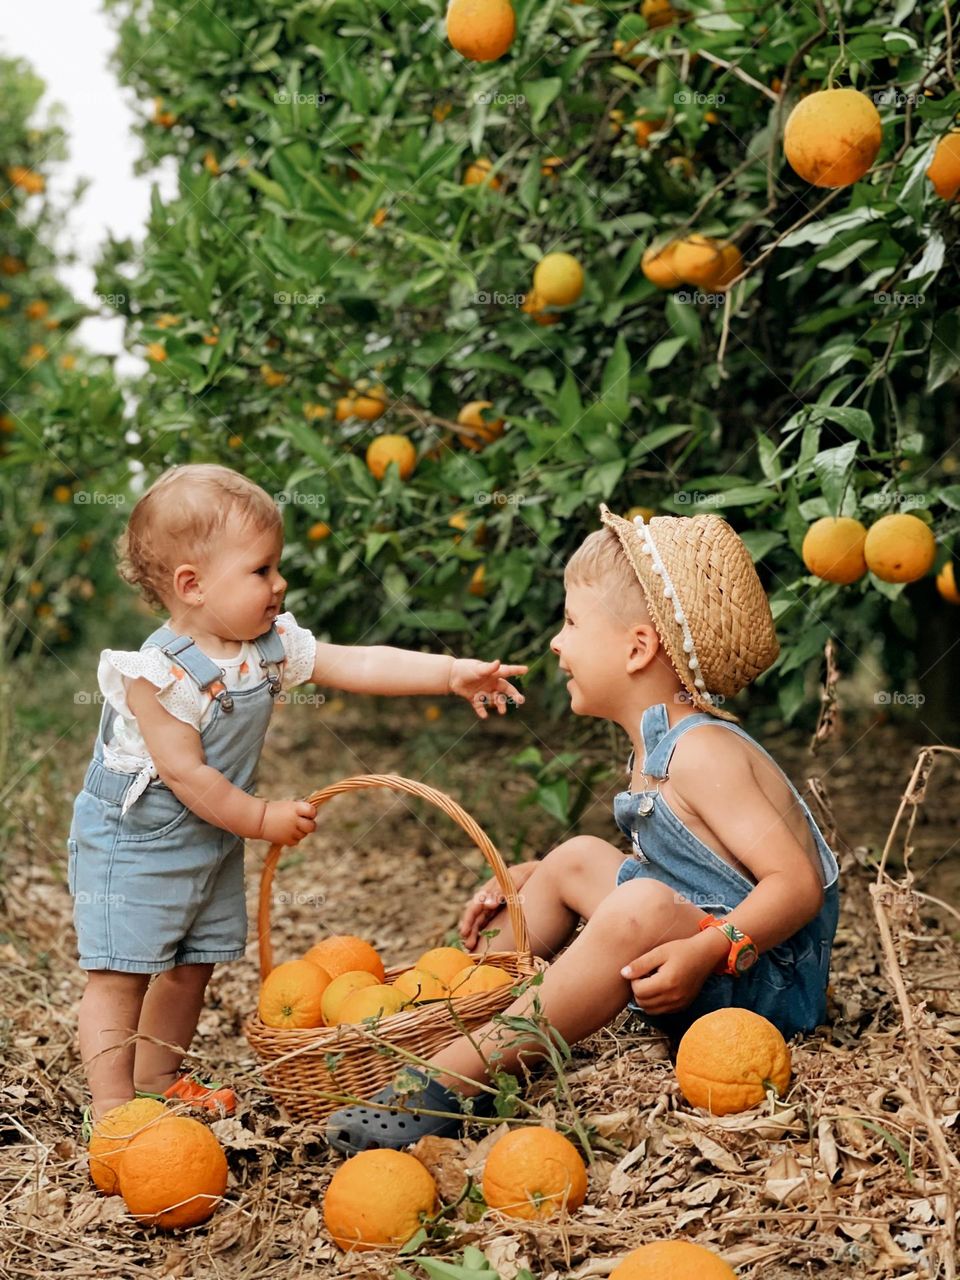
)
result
[(157, 834)]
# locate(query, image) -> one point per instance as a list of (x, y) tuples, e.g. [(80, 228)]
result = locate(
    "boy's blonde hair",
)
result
[(599, 562), (180, 518)]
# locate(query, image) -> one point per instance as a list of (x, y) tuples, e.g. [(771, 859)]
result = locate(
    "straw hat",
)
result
[(705, 599)]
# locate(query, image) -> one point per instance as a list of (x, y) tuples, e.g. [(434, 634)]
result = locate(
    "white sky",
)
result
[(68, 43)]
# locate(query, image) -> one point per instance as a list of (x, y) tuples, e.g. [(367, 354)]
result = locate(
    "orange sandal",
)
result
[(209, 1097)]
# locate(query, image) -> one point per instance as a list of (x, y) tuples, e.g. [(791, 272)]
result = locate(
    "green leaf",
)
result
[(539, 95), (615, 385), (944, 350), (664, 352), (832, 468), (857, 421)]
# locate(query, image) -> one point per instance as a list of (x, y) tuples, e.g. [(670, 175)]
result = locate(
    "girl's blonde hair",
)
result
[(180, 518), (600, 562)]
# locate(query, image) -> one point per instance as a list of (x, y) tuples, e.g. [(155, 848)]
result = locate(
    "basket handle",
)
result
[(394, 783)]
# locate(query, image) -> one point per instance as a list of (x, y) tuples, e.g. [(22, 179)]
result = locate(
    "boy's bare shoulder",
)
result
[(711, 747)]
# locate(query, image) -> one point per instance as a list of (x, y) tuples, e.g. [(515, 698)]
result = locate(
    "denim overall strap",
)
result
[(272, 653), (184, 652)]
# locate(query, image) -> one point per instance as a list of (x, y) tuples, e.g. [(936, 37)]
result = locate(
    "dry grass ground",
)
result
[(842, 1177)]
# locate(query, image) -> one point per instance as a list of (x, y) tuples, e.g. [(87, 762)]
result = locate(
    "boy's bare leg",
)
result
[(582, 990), (567, 886), (108, 1019), (171, 1011)]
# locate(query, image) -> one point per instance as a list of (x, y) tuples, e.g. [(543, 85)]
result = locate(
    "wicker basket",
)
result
[(310, 1071)]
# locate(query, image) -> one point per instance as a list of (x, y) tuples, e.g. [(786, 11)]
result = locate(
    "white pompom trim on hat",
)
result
[(650, 549)]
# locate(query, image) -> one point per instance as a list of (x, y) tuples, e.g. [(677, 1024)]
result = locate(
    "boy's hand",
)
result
[(288, 821), (487, 901), (483, 682), (669, 976)]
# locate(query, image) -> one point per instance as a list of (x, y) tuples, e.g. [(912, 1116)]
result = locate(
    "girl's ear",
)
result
[(644, 645), (186, 584)]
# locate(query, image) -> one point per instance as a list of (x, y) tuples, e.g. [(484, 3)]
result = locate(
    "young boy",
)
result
[(729, 896)]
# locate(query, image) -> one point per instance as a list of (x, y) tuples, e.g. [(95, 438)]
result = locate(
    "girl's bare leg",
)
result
[(567, 886), (108, 1020), (582, 990), (171, 1011)]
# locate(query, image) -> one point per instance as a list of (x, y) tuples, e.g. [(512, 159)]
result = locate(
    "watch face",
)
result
[(746, 958)]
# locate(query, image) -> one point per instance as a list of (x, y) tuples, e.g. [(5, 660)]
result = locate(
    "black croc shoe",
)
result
[(362, 1128)]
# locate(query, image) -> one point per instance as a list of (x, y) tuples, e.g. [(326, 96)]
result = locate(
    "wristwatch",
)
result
[(743, 951)]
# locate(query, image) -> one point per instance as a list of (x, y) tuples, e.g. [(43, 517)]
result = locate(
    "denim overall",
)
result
[(787, 985), (158, 886)]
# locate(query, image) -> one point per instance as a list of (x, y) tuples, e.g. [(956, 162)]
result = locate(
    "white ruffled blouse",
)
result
[(126, 751)]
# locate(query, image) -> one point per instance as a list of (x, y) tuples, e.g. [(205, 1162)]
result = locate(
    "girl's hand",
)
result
[(286, 822), (670, 976), (487, 901), (484, 682)]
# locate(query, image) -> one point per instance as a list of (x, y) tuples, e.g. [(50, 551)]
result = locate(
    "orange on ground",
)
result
[(345, 953), (534, 1173), (415, 985), (900, 548), (444, 963), (391, 448), (480, 979), (833, 549), (377, 1199), (478, 585), (944, 171), (558, 279), (291, 995), (156, 351), (481, 30), (947, 583), (272, 377), (113, 1133), (380, 1001), (729, 1058), (698, 260), (485, 430), (173, 1174), (340, 988), (832, 137), (658, 266), (672, 1260)]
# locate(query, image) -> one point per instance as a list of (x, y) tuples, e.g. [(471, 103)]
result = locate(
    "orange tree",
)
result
[(351, 254), (60, 413)]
